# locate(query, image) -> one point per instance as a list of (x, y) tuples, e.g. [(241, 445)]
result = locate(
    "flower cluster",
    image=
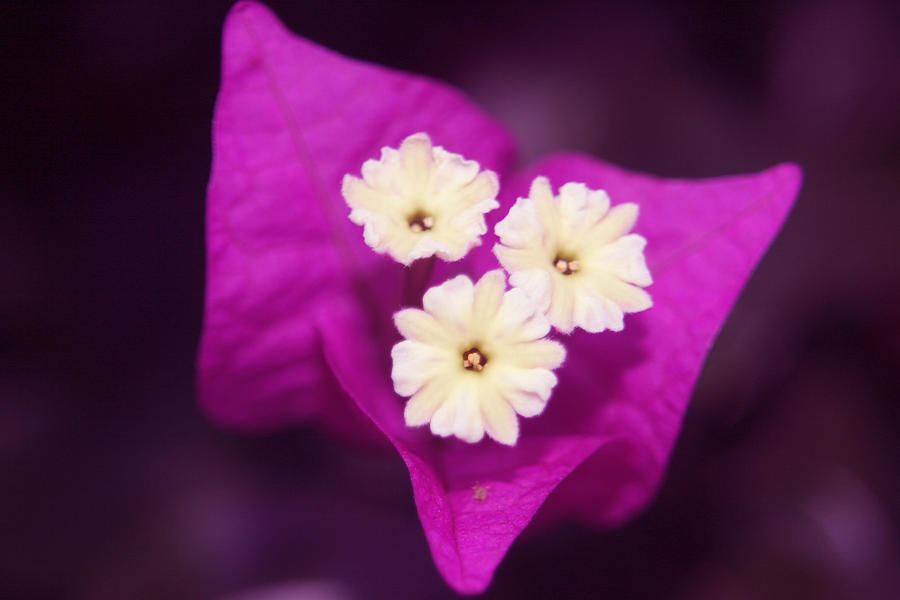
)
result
[(298, 309), (477, 354)]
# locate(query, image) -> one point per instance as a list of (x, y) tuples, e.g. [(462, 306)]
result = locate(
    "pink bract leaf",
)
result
[(292, 290), (705, 237), (621, 396), (291, 119)]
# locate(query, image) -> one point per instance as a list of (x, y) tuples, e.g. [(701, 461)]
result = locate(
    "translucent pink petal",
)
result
[(473, 500), (290, 120), (704, 240), (621, 397)]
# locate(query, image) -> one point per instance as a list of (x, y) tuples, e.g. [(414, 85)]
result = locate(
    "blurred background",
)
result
[(784, 482)]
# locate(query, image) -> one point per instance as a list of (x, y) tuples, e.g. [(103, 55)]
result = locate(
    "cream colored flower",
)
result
[(474, 358), (421, 200), (574, 256)]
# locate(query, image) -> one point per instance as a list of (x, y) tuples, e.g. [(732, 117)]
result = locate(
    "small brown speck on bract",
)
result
[(480, 492)]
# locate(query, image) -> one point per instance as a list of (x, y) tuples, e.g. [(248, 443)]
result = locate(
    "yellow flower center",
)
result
[(474, 360)]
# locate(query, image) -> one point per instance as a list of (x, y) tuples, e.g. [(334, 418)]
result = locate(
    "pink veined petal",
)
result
[(291, 119), (705, 237), (473, 499), (621, 397)]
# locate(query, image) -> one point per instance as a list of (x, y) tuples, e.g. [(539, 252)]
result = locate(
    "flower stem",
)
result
[(418, 276)]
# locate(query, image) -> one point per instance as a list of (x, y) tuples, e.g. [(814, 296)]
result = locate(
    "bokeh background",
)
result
[(786, 479)]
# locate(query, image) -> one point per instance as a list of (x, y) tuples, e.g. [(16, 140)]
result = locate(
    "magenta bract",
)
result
[(298, 310)]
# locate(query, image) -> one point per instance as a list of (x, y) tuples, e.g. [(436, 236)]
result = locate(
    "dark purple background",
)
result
[(786, 479)]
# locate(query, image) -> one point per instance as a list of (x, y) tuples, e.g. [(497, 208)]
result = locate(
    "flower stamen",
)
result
[(420, 222), (474, 360), (565, 266)]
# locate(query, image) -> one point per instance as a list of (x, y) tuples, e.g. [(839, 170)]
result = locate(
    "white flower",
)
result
[(571, 254), (473, 359), (421, 200)]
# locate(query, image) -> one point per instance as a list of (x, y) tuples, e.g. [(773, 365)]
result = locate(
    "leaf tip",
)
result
[(249, 11), (246, 5), (790, 174)]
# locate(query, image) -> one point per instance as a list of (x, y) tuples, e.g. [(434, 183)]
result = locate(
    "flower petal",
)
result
[(535, 380), (420, 326), (516, 320), (624, 258), (545, 354), (415, 160), (619, 221), (596, 312), (451, 303), (422, 406), (414, 364), (500, 420), (489, 293)]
